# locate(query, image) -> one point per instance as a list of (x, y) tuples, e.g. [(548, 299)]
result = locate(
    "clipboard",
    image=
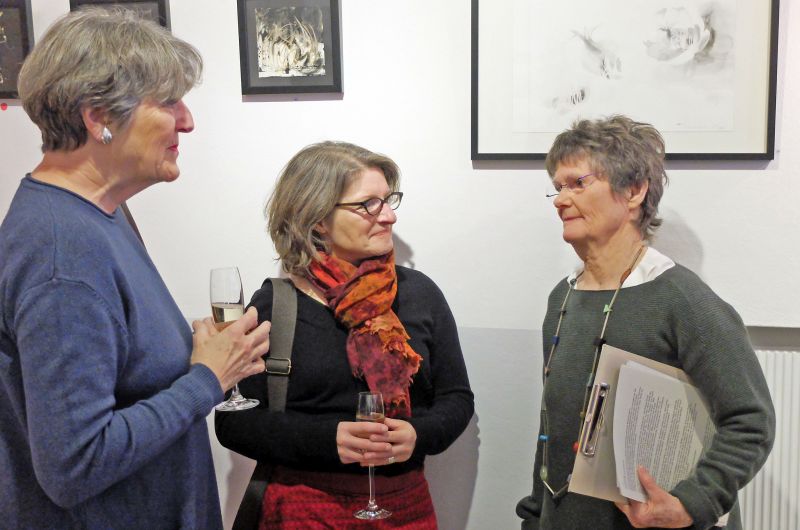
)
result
[(595, 474)]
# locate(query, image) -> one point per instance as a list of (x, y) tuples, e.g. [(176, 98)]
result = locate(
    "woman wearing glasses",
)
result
[(363, 323), (608, 177)]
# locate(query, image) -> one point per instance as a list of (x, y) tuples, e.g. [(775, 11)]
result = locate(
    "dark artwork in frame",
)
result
[(155, 10), (16, 41), (289, 46)]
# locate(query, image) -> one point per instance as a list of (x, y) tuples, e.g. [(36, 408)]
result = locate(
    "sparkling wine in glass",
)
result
[(370, 408), (227, 306)]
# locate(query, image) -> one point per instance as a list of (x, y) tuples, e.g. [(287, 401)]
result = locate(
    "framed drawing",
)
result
[(155, 10), (16, 41), (289, 46), (703, 73)]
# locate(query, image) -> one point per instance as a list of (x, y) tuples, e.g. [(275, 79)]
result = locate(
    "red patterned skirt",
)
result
[(308, 500)]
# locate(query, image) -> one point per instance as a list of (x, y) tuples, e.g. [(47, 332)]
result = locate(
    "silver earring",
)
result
[(106, 136)]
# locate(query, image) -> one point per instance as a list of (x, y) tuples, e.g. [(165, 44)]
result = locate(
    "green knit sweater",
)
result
[(675, 319)]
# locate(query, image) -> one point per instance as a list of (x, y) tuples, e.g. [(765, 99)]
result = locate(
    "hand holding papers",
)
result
[(596, 475), (651, 416), (661, 510)]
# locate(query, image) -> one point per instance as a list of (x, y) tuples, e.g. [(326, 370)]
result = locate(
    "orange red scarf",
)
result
[(377, 343)]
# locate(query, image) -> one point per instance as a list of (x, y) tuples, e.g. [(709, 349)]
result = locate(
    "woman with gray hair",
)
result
[(608, 178), (104, 388), (363, 324)]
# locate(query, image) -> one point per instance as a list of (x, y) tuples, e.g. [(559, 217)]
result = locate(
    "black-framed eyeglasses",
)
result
[(573, 185), (374, 205)]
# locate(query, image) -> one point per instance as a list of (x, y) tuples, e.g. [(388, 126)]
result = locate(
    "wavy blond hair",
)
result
[(307, 192)]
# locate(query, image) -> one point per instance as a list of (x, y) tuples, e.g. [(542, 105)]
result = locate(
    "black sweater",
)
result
[(323, 391)]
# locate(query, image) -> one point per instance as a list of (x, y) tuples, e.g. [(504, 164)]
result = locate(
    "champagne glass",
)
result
[(370, 408), (227, 306)]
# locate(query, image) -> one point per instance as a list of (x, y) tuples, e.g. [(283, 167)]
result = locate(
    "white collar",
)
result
[(650, 267)]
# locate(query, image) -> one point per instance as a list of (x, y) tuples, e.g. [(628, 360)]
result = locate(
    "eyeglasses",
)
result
[(573, 185), (374, 206)]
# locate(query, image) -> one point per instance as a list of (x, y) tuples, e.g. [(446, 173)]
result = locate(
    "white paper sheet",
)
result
[(659, 423)]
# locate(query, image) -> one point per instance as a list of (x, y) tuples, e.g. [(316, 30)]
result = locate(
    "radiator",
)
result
[(772, 500)]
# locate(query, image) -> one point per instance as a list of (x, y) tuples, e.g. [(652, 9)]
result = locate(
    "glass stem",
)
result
[(372, 506), (235, 395)]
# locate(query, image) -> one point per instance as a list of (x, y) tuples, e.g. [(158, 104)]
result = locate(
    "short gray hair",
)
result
[(307, 192), (626, 152), (109, 59)]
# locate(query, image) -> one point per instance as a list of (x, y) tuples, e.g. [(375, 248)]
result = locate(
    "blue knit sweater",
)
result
[(103, 419)]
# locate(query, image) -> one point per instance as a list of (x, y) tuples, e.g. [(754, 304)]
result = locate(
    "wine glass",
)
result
[(370, 408), (227, 306)]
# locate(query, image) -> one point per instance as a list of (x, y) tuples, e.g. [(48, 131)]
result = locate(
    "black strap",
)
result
[(249, 514), (281, 337), (279, 365)]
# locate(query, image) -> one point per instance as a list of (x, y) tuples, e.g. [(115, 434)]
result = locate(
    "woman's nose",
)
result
[(183, 117), (561, 199), (387, 215)]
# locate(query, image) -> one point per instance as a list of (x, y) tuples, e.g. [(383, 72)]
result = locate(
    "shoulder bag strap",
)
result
[(281, 337), (279, 365)]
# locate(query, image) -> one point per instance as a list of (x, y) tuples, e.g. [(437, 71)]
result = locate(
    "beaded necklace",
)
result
[(598, 342)]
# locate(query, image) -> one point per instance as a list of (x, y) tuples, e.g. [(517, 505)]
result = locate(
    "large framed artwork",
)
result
[(289, 46), (16, 41), (703, 72), (155, 10)]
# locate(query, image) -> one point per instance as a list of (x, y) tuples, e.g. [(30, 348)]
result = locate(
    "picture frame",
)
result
[(155, 10), (16, 42), (290, 46), (706, 79)]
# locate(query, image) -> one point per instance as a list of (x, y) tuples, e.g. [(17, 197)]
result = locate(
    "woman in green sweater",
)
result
[(608, 178)]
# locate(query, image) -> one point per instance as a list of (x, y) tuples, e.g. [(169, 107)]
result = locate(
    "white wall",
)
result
[(484, 232), (406, 93)]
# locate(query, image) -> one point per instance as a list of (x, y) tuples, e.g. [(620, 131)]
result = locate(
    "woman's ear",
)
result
[(637, 194), (95, 120), (320, 228)]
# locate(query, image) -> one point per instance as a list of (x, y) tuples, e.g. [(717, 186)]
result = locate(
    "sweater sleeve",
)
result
[(452, 406), (72, 351), (290, 438), (529, 508), (715, 351)]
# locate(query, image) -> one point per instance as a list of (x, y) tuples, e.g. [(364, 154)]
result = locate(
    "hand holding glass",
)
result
[(227, 306), (370, 408)]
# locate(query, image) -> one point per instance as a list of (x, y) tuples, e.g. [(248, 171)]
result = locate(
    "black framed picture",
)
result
[(703, 73), (155, 10), (16, 41), (289, 46)]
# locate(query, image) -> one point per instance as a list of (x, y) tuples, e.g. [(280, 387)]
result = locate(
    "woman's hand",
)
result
[(375, 444), (402, 437), (354, 441), (233, 353), (661, 509)]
